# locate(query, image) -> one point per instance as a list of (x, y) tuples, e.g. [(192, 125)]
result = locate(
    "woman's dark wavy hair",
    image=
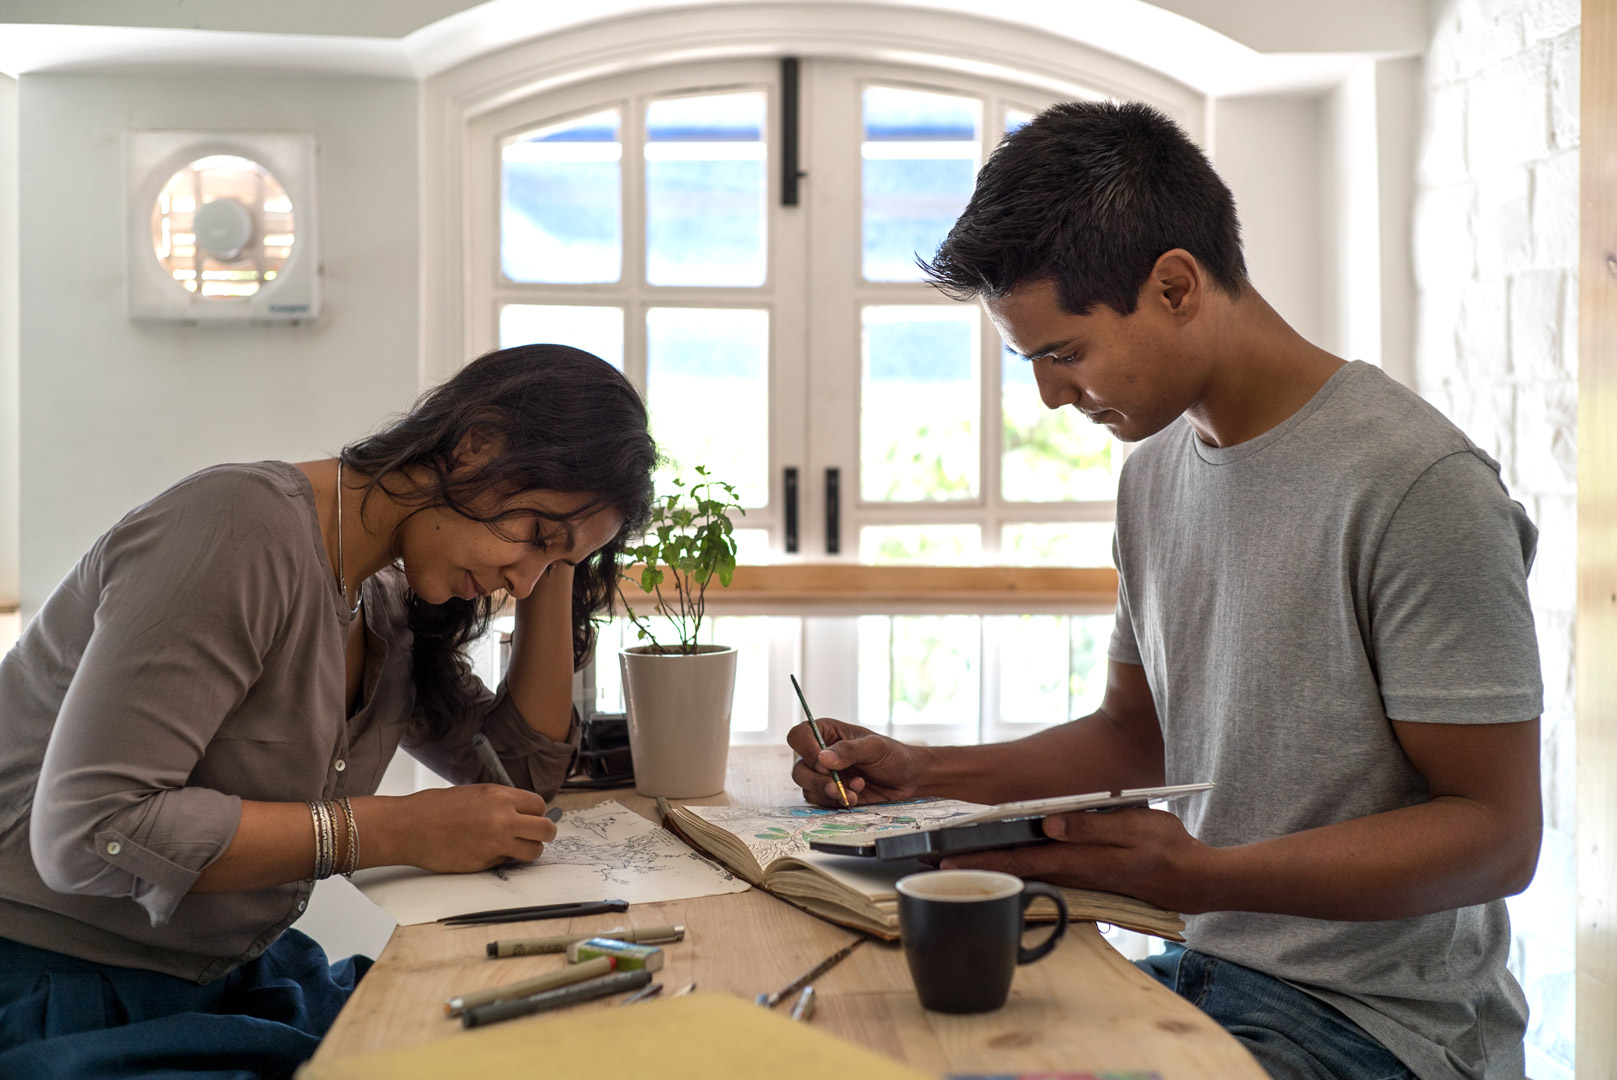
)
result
[(1088, 195), (564, 421)]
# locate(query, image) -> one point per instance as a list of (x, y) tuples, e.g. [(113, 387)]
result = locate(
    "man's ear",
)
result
[(1177, 283)]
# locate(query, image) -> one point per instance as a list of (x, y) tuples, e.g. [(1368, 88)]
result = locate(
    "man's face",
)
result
[(1128, 373)]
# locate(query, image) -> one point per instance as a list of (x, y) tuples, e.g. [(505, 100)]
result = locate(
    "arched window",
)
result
[(794, 348)]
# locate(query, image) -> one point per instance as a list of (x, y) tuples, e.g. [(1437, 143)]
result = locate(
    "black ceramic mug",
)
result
[(962, 933)]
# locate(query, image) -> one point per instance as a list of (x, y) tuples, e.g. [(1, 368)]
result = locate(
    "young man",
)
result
[(1322, 608)]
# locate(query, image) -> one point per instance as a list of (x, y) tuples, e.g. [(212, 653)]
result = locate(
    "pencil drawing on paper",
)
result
[(613, 843), (605, 852)]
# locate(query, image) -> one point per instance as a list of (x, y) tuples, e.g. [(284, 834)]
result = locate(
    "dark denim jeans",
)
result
[(1293, 1036), (63, 1018)]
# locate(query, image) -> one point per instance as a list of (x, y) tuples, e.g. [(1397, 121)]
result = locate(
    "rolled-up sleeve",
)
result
[(535, 761), (192, 597)]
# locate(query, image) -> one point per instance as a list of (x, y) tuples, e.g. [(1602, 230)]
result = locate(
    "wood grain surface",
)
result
[(1082, 1008), (1597, 548)]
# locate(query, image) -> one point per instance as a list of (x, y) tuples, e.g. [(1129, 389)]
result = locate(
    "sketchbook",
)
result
[(769, 847), (604, 852)]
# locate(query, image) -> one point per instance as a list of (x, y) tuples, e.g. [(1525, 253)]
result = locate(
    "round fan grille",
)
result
[(223, 227)]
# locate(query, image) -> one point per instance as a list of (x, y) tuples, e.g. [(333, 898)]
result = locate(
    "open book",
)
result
[(768, 846)]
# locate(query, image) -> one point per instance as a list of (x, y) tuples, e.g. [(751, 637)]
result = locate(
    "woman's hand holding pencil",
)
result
[(874, 768)]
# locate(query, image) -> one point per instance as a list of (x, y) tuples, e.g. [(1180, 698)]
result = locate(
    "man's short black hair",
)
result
[(1089, 194)]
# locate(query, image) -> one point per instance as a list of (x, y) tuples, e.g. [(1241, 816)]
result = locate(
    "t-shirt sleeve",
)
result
[(193, 591), (1124, 649), (1450, 625)]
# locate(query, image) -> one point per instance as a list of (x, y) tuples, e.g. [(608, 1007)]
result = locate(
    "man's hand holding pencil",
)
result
[(874, 768)]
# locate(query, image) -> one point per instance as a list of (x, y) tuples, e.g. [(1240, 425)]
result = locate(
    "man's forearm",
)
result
[(1447, 853), (1092, 753)]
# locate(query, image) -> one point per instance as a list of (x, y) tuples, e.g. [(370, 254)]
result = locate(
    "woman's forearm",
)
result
[(540, 678), (274, 844)]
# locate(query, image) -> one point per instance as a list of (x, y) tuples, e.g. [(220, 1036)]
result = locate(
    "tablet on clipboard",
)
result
[(1012, 824)]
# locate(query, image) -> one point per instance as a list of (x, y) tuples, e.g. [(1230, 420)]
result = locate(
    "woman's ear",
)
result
[(479, 446)]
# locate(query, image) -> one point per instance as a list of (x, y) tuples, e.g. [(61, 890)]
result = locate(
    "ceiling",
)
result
[(1215, 46)]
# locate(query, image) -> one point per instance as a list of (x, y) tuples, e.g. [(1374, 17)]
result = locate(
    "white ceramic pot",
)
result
[(679, 719)]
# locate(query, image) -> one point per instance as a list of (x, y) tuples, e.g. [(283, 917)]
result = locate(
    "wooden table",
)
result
[(1083, 1008)]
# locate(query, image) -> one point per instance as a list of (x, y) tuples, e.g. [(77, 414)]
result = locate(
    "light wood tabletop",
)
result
[(1084, 1008)]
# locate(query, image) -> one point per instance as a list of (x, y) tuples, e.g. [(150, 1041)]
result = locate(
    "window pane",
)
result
[(876, 671), (748, 635), (1052, 667), (921, 545), (1086, 681), (1015, 118), (920, 161), (707, 382), (594, 329), (1033, 657), (919, 403), (705, 200), (1057, 543), (561, 205), (752, 546), (1051, 455), (935, 670)]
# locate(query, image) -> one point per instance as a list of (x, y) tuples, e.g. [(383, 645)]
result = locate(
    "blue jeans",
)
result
[(1293, 1036), (62, 1018)]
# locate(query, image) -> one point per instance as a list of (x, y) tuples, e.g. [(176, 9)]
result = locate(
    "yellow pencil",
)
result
[(819, 739)]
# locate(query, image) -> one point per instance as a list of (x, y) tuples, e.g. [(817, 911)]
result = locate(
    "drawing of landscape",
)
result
[(607, 852), (772, 832)]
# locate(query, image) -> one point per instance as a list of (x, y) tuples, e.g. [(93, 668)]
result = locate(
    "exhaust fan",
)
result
[(221, 227)]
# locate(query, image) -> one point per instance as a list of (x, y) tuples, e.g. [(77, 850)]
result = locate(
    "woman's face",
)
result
[(446, 554)]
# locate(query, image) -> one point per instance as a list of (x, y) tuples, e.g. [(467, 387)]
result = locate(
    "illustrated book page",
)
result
[(768, 845)]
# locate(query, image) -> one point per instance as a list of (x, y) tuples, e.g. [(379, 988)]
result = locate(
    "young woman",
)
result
[(192, 727)]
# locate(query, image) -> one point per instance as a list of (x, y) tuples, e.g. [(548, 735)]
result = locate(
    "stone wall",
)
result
[(1496, 248)]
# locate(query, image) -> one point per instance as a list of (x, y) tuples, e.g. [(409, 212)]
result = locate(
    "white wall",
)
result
[(118, 411), (1267, 149), (1496, 234), (10, 403)]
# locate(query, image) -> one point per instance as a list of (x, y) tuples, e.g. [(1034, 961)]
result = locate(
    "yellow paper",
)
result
[(699, 1037)]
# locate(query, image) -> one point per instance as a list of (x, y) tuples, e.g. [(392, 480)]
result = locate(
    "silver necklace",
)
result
[(342, 577)]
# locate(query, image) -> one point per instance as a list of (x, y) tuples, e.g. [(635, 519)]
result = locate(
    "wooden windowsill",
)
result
[(850, 588)]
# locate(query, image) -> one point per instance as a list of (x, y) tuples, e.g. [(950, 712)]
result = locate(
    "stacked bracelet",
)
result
[(324, 812), (325, 839), (351, 863)]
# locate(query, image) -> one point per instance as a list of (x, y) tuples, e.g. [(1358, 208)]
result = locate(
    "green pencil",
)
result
[(819, 739)]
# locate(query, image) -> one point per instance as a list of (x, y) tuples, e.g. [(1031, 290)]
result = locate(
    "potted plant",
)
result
[(677, 691)]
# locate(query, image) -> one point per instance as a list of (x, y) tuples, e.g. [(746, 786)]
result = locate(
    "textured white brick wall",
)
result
[(1496, 245)]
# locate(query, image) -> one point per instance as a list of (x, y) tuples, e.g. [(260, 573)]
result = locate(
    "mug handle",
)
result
[(1042, 949)]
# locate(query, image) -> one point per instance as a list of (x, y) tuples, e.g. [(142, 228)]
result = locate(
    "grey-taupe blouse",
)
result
[(194, 658)]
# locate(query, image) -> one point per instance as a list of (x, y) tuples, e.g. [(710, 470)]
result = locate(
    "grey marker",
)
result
[(555, 999), (491, 760)]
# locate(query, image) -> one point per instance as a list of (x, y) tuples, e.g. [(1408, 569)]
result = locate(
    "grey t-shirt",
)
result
[(194, 658), (1286, 597)]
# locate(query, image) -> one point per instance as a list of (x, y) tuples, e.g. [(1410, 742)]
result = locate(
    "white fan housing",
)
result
[(221, 226)]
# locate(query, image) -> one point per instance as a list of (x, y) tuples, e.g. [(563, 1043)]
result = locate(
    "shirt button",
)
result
[(302, 904), (114, 847), (340, 765)]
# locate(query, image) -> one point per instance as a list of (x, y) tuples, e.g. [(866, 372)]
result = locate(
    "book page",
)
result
[(778, 832)]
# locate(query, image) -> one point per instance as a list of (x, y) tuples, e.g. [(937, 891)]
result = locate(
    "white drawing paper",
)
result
[(606, 852)]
